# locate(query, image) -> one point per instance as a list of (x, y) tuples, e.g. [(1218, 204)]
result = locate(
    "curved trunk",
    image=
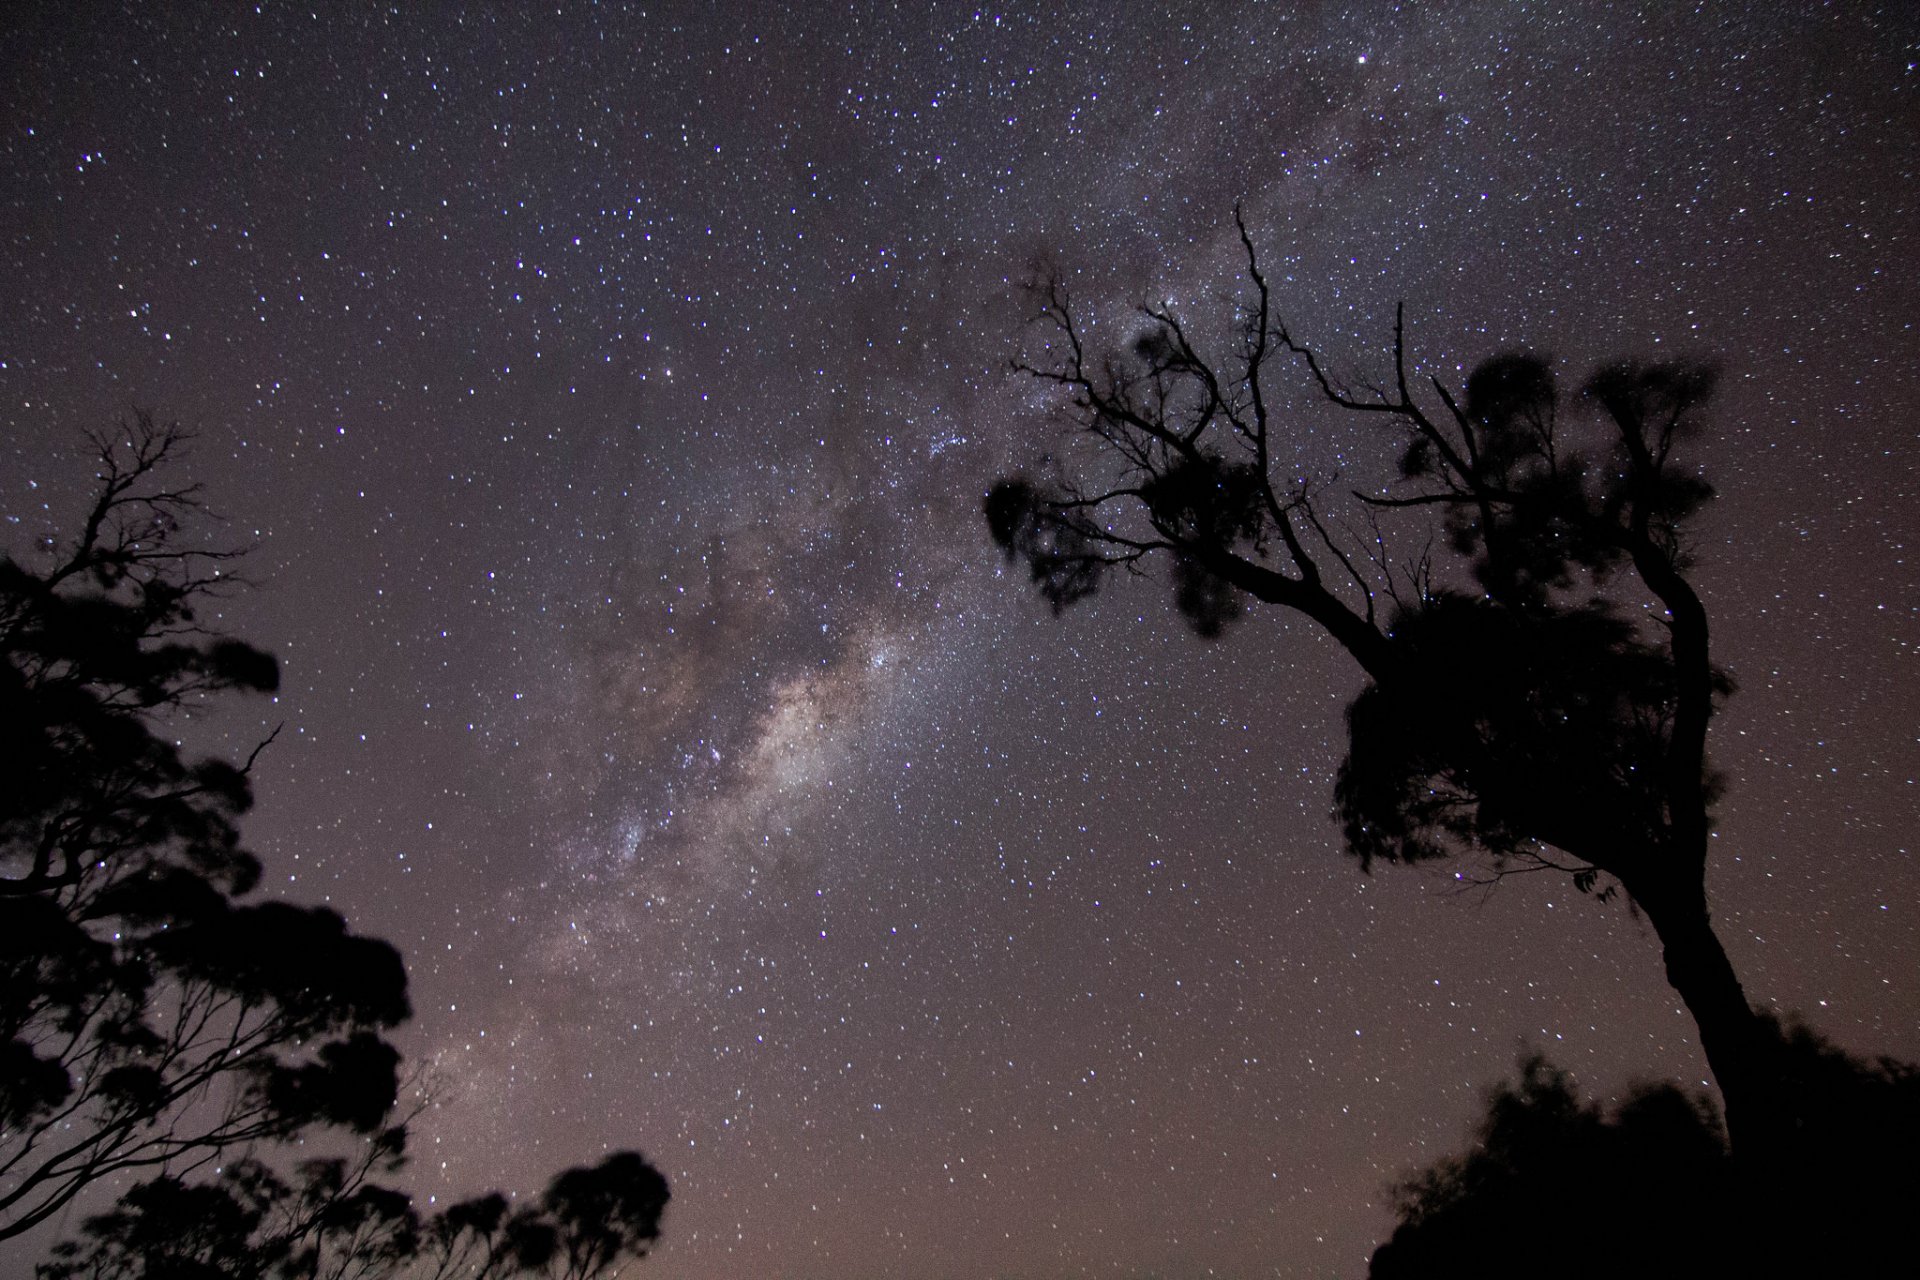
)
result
[(1767, 1120), (1738, 1043)]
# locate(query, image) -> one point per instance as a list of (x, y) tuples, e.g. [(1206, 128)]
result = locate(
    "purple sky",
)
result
[(611, 394)]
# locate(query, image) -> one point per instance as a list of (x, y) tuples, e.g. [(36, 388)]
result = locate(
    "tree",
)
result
[(1538, 681), (1551, 1177), (1647, 1188), (330, 1220), (154, 1021)]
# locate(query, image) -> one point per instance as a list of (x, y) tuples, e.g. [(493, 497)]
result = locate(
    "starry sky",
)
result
[(609, 392)]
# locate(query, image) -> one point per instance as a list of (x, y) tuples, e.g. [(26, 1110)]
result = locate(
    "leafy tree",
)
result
[(1538, 676), (1555, 1184), (330, 1220), (155, 1022), (1549, 1177)]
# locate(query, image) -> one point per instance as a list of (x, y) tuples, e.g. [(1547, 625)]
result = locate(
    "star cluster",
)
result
[(609, 393)]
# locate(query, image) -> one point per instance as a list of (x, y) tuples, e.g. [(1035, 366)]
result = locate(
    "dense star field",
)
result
[(610, 393)]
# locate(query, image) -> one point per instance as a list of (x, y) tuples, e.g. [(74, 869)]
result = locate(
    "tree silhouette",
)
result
[(330, 1220), (154, 1023), (1538, 676), (1555, 1185), (1550, 1185)]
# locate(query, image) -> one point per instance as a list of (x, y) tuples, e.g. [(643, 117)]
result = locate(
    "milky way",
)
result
[(610, 394)]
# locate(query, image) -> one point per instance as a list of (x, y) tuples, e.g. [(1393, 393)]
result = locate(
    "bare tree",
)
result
[(1538, 675)]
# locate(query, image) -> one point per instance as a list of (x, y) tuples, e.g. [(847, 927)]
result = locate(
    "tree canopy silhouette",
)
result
[(1550, 1177), (1516, 592), (156, 1022), (330, 1219), (1646, 1188)]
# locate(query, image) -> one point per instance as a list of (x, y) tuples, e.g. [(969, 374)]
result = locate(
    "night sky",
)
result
[(610, 394)]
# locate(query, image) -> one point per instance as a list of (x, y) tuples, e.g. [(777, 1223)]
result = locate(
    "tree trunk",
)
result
[(1782, 1157), (1739, 1046)]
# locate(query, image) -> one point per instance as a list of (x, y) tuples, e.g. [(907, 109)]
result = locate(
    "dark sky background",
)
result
[(610, 393)]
